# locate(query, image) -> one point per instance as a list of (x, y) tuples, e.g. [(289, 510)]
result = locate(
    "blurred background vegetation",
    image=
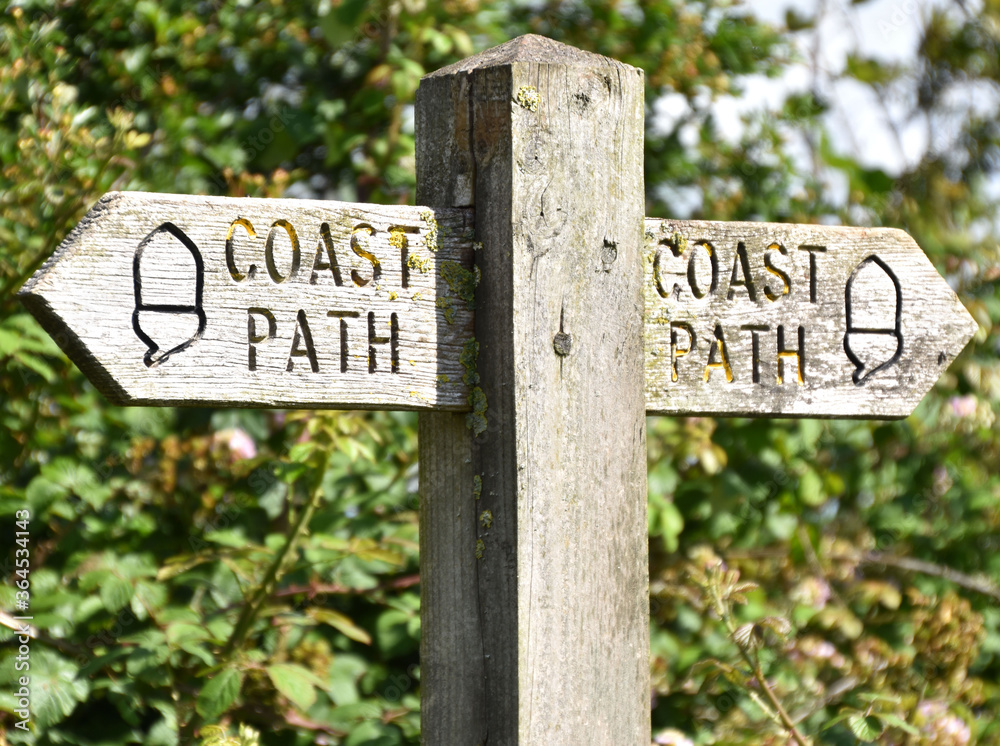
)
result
[(866, 600)]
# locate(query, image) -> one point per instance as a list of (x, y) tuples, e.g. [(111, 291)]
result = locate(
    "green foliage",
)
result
[(213, 735), (200, 573)]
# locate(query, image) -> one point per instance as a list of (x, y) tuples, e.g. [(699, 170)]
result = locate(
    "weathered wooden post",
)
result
[(533, 535)]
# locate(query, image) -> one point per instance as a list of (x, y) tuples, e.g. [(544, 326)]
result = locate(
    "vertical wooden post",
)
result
[(547, 142)]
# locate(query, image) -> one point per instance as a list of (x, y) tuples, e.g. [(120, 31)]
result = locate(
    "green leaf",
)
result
[(94, 579), (345, 671), (181, 564), (9, 342), (163, 733), (811, 489), (115, 592), (78, 478), (341, 623), (181, 632), (198, 651), (55, 688), (101, 661), (870, 71), (227, 154), (300, 452), (837, 719), (219, 694), (294, 682), (374, 733), (841, 620), (865, 727), (878, 697), (782, 525), (147, 666), (666, 520), (796, 22), (229, 538), (216, 735), (36, 364), (393, 634), (42, 492), (371, 552), (897, 722)]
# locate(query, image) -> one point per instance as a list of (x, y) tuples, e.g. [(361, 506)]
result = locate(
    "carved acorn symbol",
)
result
[(874, 338), (169, 277)]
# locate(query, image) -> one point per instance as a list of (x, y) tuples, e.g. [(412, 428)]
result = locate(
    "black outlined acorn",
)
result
[(169, 277), (874, 338)]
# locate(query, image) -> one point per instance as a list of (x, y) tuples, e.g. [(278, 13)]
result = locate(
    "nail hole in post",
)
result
[(562, 343), (609, 252)]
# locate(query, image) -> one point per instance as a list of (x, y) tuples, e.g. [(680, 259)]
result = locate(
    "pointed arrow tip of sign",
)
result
[(963, 328), (77, 351), (970, 328), (101, 208), (35, 296)]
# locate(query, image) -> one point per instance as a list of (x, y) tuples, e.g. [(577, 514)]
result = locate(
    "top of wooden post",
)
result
[(526, 48)]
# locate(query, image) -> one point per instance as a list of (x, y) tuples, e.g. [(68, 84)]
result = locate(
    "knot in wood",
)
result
[(562, 343), (609, 252)]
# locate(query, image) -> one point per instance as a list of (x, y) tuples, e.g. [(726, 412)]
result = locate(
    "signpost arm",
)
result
[(547, 142)]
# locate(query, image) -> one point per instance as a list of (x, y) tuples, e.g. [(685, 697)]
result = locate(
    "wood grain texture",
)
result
[(301, 303), (793, 320), (556, 139), (452, 674), (453, 702)]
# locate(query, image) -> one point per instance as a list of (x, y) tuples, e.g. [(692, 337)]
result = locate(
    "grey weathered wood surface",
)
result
[(452, 667), (547, 142), (787, 278), (85, 297)]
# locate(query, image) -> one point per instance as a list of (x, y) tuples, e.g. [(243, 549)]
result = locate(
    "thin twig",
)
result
[(970, 582), (834, 692), (758, 673), (63, 646), (395, 584), (786, 720), (274, 572), (251, 610)]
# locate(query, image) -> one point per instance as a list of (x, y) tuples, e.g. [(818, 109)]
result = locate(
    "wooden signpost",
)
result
[(170, 299), (535, 258), (764, 319)]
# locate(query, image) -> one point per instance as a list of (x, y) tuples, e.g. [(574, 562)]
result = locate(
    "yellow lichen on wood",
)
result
[(528, 97), (431, 239), (397, 238), (476, 419), (449, 310), (461, 281), (420, 263)]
